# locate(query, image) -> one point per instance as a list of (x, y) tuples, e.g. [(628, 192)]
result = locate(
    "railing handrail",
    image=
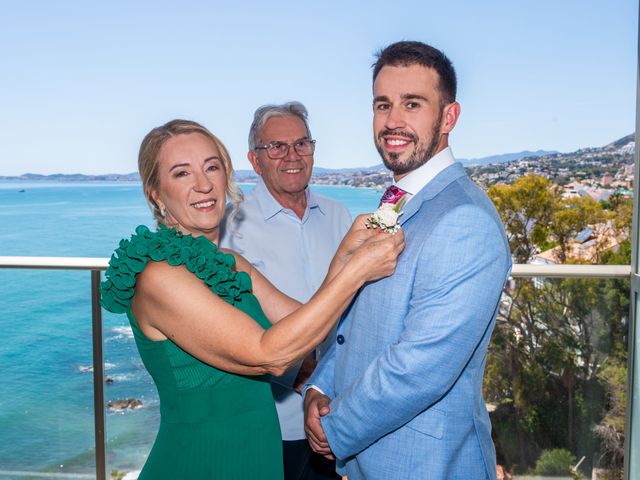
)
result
[(570, 271), (519, 270), (55, 263)]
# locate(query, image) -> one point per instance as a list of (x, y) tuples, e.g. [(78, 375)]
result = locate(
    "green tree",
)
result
[(526, 208), (610, 430), (555, 462), (554, 338), (621, 211), (570, 217)]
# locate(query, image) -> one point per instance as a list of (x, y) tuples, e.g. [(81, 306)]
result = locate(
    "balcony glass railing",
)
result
[(81, 405), (557, 374)]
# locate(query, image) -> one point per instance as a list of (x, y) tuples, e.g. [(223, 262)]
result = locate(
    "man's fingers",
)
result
[(321, 448), (317, 444), (314, 430), (316, 405), (323, 405)]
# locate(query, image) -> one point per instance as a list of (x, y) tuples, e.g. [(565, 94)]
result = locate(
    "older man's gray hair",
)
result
[(265, 112)]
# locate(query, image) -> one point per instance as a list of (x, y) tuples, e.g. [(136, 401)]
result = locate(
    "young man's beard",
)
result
[(417, 158)]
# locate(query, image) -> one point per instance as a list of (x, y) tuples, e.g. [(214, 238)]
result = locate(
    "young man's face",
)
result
[(407, 117)]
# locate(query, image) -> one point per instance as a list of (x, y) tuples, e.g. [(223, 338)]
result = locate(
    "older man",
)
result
[(289, 233), (400, 393)]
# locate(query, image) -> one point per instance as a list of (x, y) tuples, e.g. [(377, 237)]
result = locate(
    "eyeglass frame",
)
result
[(267, 146)]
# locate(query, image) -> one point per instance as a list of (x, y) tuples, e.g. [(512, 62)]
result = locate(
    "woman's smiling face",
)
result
[(191, 185)]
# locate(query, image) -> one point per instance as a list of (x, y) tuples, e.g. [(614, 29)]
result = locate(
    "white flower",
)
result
[(387, 215)]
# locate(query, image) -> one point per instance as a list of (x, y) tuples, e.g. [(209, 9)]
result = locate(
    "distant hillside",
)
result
[(607, 165), (623, 146), (77, 177), (250, 175), (320, 170), (505, 157), (623, 142)]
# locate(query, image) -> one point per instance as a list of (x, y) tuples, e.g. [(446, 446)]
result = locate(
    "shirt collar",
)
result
[(417, 179), (312, 200), (271, 207)]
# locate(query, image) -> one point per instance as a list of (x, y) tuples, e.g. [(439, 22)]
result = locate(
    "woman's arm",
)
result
[(275, 304), (170, 302)]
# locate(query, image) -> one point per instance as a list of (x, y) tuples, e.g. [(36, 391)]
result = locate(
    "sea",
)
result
[(46, 392)]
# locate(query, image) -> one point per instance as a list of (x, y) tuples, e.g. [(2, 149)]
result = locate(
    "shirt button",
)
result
[(340, 339)]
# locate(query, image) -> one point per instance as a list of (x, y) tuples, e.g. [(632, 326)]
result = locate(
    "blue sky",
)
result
[(83, 82)]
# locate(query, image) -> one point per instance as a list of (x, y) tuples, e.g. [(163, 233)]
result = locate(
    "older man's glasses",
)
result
[(277, 150)]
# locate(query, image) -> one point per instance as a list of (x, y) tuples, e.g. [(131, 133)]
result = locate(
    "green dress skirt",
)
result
[(214, 424)]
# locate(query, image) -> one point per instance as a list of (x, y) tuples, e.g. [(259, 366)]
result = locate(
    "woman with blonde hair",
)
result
[(210, 329)]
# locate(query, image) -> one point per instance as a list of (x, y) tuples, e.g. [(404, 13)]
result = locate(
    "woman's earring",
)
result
[(163, 212)]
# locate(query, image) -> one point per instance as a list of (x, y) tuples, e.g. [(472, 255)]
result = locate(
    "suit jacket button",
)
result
[(340, 339)]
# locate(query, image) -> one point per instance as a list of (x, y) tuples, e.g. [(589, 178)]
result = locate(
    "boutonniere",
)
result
[(386, 216)]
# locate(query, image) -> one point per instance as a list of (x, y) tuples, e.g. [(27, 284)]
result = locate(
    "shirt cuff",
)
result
[(309, 386)]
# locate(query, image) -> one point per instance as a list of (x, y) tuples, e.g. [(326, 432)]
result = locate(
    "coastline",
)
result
[(22, 183)]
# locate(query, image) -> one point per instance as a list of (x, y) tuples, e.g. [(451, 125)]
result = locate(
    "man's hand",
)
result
[(306, 369), (316, 405)]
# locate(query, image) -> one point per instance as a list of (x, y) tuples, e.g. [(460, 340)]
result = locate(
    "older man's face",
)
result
[(287, 176)]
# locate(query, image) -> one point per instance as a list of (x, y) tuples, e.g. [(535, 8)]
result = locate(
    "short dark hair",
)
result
[(408, 53)]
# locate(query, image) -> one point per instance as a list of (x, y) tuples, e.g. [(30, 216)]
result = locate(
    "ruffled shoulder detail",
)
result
[(201, 257)]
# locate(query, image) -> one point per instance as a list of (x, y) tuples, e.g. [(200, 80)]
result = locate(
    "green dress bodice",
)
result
[(214, 424)]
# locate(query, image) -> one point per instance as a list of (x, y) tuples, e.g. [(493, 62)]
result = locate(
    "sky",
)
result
[(81, 83)]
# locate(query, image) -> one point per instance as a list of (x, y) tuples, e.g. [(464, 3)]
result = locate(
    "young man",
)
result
[(402, 386)]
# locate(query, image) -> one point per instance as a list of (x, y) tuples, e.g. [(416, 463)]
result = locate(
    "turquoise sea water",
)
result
[(46, 403)]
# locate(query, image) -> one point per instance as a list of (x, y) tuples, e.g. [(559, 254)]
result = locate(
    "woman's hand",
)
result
[(357, 235), (377, 256), (354, 238)]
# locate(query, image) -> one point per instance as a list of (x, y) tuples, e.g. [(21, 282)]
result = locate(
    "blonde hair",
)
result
[(148, 159)]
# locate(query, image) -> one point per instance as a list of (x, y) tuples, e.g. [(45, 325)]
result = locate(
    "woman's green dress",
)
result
[(214, 424)]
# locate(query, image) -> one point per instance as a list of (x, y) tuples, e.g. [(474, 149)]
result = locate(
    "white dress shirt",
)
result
[(417, 179), (294, 254)]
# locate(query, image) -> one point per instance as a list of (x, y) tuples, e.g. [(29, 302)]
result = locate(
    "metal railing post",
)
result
[(632, 423), (98, 377)]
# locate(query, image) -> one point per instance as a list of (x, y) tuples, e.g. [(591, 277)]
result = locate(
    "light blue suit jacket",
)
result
[(405, 376)]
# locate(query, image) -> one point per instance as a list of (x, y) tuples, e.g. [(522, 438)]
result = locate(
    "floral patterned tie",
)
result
[(392, 195)]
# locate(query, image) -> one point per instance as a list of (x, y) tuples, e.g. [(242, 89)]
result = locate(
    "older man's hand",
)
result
[(316, 405)]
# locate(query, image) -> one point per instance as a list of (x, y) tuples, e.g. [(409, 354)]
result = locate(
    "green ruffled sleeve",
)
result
[(201, 257)]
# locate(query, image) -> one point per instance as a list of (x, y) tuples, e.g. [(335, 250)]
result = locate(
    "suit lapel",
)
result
[(431, 189)]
